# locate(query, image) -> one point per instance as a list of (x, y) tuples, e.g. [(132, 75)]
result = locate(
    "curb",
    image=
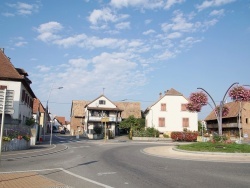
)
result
[(210, 153), (23, 157)]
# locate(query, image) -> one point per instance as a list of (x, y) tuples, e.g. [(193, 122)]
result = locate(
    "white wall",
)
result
[(21, 110)]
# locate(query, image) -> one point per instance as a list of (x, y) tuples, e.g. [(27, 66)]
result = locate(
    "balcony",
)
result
[(224, 125), (110, 119)]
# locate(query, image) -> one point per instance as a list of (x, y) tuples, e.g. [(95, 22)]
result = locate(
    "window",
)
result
[(161, 122), (246, 120), (23, 95), (163, 106), (185, 122), (183, 107), (102, 102)]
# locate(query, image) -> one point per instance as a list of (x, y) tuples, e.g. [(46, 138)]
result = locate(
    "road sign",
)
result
[(7, 111), (105, 119), (8, 102)]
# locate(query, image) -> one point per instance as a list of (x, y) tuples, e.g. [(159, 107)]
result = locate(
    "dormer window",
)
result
[(103, 102)]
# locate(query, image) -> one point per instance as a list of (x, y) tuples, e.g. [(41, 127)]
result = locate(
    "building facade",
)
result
[(236, 124), (87, 115), (169, 114)]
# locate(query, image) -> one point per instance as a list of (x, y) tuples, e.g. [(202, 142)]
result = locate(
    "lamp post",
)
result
[(219, 116), (46, 111)]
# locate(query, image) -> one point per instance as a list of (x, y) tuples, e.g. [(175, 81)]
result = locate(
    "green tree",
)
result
[(132, 123)]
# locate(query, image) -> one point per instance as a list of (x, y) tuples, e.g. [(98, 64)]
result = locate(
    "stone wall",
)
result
[(15, 144)]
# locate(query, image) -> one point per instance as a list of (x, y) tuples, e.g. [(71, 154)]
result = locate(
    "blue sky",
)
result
[(135, 49)]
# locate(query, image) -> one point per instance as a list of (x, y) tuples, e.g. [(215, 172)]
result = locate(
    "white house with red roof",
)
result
[(169, 113)]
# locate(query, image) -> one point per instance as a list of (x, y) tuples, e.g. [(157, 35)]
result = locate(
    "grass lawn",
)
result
[(216, 147)]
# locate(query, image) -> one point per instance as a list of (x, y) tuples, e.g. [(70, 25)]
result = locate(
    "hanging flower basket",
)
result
[(239, 93), (225, 110), (199, 98), (192, 107)]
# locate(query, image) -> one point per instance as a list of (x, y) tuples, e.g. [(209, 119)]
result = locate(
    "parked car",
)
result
[(62, 132)]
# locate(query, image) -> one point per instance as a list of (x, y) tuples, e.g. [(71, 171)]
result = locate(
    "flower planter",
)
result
[(15, 144)]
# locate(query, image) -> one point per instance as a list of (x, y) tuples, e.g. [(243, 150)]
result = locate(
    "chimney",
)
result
[(2, 49), (160, 94)]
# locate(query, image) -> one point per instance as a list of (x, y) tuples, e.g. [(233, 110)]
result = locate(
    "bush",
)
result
[(184, 136), (149, 132), (165, 135), (98, 129)]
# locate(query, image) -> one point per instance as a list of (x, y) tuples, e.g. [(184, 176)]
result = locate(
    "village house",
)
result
[(16, 79), (86, 115), (235, 124), (169, 113)]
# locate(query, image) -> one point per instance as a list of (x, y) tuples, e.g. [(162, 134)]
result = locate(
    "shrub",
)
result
[(184, 136), (98, 129), (6, 138), (165, 135), (149, 132), (177, 136)]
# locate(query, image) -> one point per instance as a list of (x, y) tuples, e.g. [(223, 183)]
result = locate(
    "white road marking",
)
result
[(105, 173), (81, 147), (66, 171)]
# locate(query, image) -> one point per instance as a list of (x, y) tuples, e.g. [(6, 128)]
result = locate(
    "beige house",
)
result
[(236, 123), (86, 115), (39, 116)]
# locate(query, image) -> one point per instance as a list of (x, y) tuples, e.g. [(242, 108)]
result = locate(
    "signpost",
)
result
[(6, 107), (105, 120)]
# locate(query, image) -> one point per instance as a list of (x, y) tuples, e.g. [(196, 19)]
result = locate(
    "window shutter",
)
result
[(163, 107), (161, 122), (185, 122), (183, 107)]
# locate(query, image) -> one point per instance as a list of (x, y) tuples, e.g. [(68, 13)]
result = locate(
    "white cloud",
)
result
[(148, 32), (42, 68), (165, 55), (104, 16), (174, 35), (21, 43), (24, 8), (171, 3), (7, 14), (71, 41), (213, 3), (123, 25), (148, 21), (217, 12), (47, 31), (148, 4)]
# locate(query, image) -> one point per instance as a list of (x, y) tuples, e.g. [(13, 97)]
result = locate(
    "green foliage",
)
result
[(132, 123), (149, 132), (98, 129), (26, 137), (6, 138), (30, 121), (217, 138), (165, 135)]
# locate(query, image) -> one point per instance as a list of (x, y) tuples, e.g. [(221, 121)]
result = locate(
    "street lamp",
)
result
[(219, 116), (46, 111)]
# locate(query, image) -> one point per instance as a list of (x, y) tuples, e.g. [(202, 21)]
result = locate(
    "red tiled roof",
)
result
[(7, 70), (37, 106), (60, 119), (233, 107)]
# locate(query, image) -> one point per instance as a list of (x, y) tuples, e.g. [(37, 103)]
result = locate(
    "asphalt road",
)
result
[(119, 164)]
